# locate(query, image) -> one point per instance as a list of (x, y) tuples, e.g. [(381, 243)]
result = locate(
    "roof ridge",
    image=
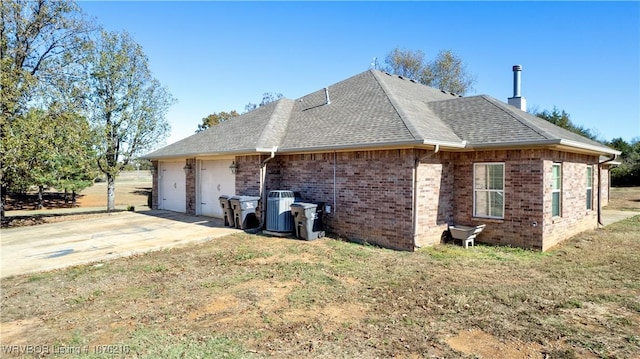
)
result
[(277, 124), (396, 106), (517, 117)]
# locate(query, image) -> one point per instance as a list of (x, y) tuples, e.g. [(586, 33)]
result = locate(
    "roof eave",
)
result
[(588, 147), (567, 145), (373, 146), (201, 154)]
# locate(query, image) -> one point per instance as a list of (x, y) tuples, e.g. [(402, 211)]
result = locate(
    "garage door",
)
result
[(215, 179), (172, 186)]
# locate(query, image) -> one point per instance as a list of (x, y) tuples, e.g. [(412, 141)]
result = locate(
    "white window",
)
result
[(488, 190), (589, 187), (556, 184)]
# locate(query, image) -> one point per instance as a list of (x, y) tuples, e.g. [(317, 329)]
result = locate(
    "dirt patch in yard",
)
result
[(483, 345), (17, 331)]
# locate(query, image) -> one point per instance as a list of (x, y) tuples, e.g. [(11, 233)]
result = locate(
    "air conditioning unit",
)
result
[(279, 217)]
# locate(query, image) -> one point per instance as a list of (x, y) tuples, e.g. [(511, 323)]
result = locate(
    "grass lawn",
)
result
[(247, 296)]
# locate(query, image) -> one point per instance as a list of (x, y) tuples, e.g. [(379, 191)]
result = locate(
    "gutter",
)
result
[(178, 156), (612, 159), (594, 148), (544, 143), (373, 146)]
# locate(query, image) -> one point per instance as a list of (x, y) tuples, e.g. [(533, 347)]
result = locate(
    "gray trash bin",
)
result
[(244, 211), (228, 211), (307, 220), (279, 217)]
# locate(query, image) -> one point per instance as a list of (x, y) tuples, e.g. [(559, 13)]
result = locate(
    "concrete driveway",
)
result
[(65, 244), (610, 216)]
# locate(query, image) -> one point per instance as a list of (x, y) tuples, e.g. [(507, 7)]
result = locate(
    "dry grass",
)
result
[(624, 198), (255, 296)]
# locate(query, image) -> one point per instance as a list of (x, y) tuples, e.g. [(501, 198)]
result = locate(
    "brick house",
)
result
[(396, 161)]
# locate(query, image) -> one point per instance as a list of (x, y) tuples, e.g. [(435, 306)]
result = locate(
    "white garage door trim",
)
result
[(214, 178), (172, 188)]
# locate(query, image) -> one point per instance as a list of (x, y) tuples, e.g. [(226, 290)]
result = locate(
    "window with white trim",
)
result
[(556, 186), (589, 187), (488, 190)]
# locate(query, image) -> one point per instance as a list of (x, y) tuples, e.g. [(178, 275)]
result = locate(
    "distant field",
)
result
[(132, 189)]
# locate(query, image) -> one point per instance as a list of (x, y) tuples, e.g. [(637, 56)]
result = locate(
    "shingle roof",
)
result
[(368, 109), (374, 109), (485, 121), (260, 128)]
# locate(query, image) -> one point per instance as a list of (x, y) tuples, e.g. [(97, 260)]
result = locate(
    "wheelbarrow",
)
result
[(466, 234)]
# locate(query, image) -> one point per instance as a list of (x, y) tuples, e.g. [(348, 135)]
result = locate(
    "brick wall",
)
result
[(522, 224), (373, 199), (190, 183), (154, 185), (574, 216), (528, 222), (373, 191), (434, 196), (248, 175)]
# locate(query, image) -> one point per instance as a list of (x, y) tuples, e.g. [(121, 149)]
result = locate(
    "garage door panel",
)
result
[(215, 180), (172, 186)]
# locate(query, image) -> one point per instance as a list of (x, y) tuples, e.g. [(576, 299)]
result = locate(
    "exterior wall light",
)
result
[(233, 167), (187, 168)]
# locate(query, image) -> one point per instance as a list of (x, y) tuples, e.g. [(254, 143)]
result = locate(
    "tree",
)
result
[(127, 104), (215, 118), (50, 148), (267, 97), (42, 47), (405, 63), (628, 172), (446, 72), (74, 157), (562, 119)]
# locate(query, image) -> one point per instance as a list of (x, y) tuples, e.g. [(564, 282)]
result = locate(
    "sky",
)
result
[(580, 57)]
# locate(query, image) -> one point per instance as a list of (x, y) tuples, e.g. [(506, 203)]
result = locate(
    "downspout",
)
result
[(263, 176), (414, 223), (600, 187)]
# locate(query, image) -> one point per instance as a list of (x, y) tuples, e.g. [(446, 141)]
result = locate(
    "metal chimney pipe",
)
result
[(517, 71)]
